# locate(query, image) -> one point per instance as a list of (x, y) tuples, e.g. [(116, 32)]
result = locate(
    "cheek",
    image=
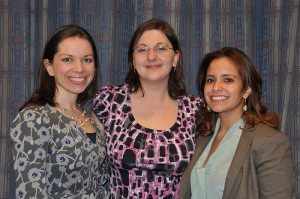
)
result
[(92, 75), (207, 99), (172, 61), (137, 61), (206, 92)]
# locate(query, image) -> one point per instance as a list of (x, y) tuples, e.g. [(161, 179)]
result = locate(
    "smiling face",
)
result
[(73, 66), (154, 66), (223, 88)]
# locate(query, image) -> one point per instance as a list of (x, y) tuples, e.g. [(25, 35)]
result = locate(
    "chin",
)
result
[(217, 110)]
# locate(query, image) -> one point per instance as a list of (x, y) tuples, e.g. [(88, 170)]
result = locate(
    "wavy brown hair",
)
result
[(45, 92), (256, 111)]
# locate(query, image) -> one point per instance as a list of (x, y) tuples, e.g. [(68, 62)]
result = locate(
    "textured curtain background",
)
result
[(267, 30)]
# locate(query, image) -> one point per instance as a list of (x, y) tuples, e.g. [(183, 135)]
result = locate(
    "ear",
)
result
[(247, 92), (176, 58), (48, 66)]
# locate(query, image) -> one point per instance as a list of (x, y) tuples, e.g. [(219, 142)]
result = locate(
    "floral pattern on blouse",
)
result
[(54, 158)]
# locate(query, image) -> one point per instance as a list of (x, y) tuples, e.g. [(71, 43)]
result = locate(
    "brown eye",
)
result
[(88, 60), (160, 48), (209, 80), (67, 59), (142, 50), (228, 80)]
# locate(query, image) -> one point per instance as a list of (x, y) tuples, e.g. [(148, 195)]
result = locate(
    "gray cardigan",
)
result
[(262, 166)]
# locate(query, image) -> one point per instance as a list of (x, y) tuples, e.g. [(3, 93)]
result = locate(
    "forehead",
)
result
[(153, 37), (223, 65), (76, 43)]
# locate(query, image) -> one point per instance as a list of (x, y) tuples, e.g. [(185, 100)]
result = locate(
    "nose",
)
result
[(217, 86), (78, 66), (151, 55)]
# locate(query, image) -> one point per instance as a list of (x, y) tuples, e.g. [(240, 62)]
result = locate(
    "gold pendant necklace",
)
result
[(82, 120)]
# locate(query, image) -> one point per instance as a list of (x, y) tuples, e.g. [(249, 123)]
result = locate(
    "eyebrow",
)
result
[(229, 75), (159, 43), (72, 55), (89, 55), (224, 75)]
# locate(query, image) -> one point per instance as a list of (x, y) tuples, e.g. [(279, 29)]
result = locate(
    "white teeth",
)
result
[(219, 98), (77, 78)]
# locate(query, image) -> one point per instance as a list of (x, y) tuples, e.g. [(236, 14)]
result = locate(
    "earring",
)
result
[(208, 108), (174, 68), (245, 106)]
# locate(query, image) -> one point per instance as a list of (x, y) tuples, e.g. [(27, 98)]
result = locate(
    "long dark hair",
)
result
[(176, 85), (256, 111), (45, 92)]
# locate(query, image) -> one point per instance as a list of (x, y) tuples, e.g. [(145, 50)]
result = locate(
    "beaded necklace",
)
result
[(82, 120)]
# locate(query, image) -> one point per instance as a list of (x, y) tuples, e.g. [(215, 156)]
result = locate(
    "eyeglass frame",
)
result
[(155, 49)]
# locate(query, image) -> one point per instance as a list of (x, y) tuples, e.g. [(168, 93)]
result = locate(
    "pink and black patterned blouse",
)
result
[(145, 163)]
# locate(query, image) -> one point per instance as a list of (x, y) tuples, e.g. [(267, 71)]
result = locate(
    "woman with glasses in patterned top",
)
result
[(150, 120)]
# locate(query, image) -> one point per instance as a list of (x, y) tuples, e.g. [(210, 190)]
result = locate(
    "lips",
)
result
[(152, 66)]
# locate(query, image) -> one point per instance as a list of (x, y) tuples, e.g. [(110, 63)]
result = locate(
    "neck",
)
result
[(75, 113), (227, 121), (153, 96), (155, 86), (154, 90), (67, 103)]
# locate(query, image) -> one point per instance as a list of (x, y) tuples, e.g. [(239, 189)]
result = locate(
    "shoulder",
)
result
[(190, 103), (265, 136), (35, 118), (35, 111), (106, 92), (264, 131), (191, 99), (113, 89)]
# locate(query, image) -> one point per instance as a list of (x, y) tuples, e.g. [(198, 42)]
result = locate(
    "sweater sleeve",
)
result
[(29, 148)]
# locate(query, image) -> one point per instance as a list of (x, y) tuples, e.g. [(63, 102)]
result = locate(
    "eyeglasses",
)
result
[(158, 49)]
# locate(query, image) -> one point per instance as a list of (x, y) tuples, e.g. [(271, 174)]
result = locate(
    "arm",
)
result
[(276, 177), (103, 170), (29, 149)]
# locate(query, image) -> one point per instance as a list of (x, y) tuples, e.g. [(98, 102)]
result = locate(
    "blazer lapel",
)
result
[(201, 144), (238, 160)]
